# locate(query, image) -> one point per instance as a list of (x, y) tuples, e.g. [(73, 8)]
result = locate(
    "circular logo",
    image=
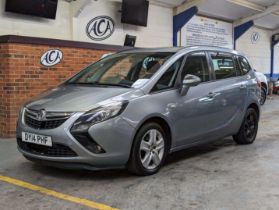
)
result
[(100, 28), (51, 57), (41, 115), (255, 37)]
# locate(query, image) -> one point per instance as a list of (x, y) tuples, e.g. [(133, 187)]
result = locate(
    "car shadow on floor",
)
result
[(200, 150), (175, 157)]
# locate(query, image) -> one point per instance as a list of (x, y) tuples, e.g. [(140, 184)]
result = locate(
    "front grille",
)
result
[(57, 150), (49, 120), (42, 124)]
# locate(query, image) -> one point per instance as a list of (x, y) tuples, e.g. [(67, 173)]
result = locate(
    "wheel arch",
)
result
[(263, 84), (162, 122), (256, 107)]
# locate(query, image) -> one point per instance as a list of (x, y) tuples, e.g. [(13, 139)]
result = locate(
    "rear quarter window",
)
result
[(224, 66), (244, 65)]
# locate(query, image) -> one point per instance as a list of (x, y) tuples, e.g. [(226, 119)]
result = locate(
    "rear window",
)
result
[(224, 66)]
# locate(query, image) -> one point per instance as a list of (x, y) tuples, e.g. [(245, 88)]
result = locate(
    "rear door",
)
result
[(231, 85)]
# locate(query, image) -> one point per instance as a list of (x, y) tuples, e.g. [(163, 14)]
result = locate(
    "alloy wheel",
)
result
[(250, 126), (263, 97), (152, 149)]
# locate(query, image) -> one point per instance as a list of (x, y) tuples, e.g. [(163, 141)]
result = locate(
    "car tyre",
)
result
[(249, 128), (263, 96), (149, 150)]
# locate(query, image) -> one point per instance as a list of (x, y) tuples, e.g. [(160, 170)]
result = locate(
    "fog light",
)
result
[(85, 140)]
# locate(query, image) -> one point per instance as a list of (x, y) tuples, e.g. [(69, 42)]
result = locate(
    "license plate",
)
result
[(36, 139)]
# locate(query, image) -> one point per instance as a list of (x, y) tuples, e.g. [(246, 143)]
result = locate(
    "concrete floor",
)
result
[(220, 175)]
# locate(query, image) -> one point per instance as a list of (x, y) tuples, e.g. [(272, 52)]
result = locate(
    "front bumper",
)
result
[(114, 135)]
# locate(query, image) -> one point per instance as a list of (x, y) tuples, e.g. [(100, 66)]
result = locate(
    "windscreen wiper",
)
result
[(98, 84), (113, 84)]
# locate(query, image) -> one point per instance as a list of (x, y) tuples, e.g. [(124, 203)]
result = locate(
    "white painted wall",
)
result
[(14, 24), (72, 19), (158, 32), (259, 53), (70, 23)]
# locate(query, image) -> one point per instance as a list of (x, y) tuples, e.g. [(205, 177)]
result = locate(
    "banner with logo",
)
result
[(100, 28), (206, 31), (51, 57)]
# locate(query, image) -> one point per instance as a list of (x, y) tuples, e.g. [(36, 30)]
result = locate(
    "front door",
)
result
[(198, 111)]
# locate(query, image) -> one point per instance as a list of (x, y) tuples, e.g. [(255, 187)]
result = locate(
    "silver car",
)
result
[(131, 109)]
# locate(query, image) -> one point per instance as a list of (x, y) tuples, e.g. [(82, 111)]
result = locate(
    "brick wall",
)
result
[(22, 76), (4, 56)]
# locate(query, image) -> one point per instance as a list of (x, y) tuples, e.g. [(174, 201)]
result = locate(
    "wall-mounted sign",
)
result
[(100, 28), (255, 37), (51, 57), (207, 31)]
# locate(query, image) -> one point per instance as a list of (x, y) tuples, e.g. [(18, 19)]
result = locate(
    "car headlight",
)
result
[(98, 115)]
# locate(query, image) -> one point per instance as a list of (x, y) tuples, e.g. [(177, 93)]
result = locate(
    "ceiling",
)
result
[(225, 10), (232, 10), (265, 3), (174, 3), (269, 22), (168, 3)]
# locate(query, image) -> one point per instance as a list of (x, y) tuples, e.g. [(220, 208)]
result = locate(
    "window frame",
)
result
[(239, 63), (207, 63), (178, 80), (212, 76), (222, 53)]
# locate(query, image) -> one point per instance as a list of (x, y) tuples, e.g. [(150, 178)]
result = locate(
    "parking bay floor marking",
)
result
[(55, 194)]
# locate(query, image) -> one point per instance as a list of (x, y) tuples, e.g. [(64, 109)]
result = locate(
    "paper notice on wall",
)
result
[(206, 31)]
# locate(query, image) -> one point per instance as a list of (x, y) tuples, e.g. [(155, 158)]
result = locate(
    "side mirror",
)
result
[(189, 81)]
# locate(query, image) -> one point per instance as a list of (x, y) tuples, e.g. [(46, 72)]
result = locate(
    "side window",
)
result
[(238, 69), (244, 65), (168, 78), (223, 65), (196, 64)]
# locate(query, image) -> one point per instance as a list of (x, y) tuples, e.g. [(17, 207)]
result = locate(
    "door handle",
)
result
[(211, 95)]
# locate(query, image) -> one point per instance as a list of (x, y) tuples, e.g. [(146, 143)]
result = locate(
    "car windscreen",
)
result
[(123, 69)]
